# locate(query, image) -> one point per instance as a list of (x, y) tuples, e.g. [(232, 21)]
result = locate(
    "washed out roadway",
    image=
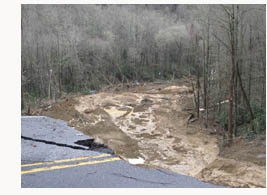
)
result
[(54, 155)]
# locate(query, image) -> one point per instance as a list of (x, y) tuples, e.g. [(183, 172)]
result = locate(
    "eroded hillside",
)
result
[(148, 125)]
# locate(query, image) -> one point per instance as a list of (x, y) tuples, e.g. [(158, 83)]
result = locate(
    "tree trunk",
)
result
[(198, 88), (206, 76), (220, 83), (194, 97), (22, 100), (235, 104), (49, 84), (232, 74), (230, 122), (238, 54), (250, 61), (205, 86), (60, 80), (263, 95), (245, 97), (198, 75)]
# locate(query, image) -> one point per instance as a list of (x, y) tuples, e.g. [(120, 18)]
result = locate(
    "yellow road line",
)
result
[(68, 166), (65, 160)]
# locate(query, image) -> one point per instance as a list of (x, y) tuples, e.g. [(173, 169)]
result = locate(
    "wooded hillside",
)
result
[(80, 48)]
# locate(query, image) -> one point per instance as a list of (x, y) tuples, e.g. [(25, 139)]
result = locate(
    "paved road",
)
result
[(55, 155)]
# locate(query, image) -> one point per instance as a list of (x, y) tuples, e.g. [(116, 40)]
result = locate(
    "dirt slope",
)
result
[(148, 125)]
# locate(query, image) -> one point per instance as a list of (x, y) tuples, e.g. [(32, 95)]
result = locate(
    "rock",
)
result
[(92, 92), (88, 111), (33, 145), (165, 98), (146, 101), (191, 118), (131, 105), (212, 132), (261, 156)]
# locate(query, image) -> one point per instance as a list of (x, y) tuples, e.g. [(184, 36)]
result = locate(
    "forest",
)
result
[(69, 49)]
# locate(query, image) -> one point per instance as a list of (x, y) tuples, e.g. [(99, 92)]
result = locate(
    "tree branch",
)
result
[(224, 44)]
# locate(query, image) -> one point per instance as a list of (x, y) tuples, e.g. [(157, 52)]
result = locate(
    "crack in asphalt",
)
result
[(53, 143), (90, 144), (138, 179)]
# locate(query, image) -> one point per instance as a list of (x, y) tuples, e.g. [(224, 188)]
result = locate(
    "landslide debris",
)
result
[(148, 125)]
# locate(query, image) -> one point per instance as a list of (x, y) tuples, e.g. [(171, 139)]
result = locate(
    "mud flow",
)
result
[(148, 126)]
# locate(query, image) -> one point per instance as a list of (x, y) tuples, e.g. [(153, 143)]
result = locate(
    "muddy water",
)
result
[(150, 129)]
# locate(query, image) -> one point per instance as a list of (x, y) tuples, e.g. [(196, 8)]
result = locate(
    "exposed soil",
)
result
[(150, 122)]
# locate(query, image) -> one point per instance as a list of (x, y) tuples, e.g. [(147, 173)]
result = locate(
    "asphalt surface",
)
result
[(54, 155)]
